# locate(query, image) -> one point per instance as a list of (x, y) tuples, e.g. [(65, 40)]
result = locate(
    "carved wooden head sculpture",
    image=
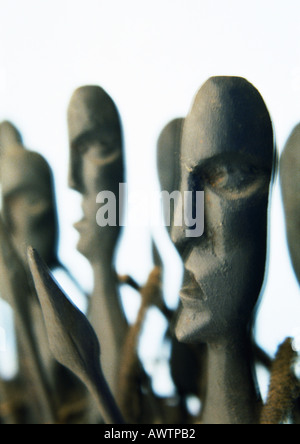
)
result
[(29, 205), (290, 185), (227, 151), (96, 165), (168, 160), (10, 137), (168, 155)]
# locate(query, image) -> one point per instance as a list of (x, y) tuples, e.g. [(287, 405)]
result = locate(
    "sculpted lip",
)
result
[(190, 292), (81, 225)]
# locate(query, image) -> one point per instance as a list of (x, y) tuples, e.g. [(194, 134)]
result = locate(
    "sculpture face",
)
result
[(290, 185), (96, 165), (29, 207), (227, 151)]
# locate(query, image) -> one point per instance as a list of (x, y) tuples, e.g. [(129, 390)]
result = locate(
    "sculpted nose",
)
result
[(75, 180), (71, 181), (188, 222), (178, 231)]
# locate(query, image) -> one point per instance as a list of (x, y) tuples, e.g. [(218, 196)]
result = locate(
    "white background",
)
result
[(151, 57)]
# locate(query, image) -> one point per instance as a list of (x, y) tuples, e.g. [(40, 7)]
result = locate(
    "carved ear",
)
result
[(72, 339)]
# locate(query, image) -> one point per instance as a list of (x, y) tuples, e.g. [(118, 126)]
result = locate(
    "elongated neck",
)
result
[(107, 317), (232, 396)]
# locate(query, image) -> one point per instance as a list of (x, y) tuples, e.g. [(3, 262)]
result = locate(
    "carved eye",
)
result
[(33, 203), (101, 154), (231, 177), (234, 178), (93, 148), (98, 150)]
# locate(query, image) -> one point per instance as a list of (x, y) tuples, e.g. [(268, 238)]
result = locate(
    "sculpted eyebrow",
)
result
[(232, 158), (108, 136)]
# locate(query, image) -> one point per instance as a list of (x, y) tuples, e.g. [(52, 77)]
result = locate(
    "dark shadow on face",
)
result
[(290, 186), (227, 151), (29, 205), (96, 165)]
